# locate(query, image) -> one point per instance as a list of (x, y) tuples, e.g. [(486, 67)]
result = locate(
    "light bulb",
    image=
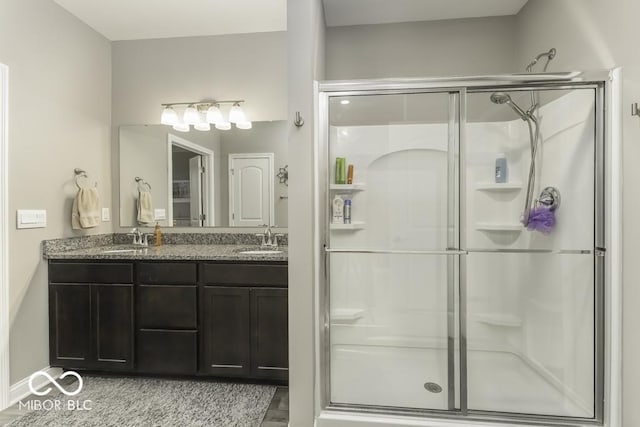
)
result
[(236, 114), (169, 117), (181, 127), (191, 115), (223, 126), (244, 125), (214, 115), (203, 126)]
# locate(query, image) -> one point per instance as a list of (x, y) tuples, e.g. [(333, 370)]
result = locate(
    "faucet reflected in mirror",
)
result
[(206, 179)]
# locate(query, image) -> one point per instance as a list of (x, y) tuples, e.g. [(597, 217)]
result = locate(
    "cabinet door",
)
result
[(112, 324), (269, 330), (69, 325), (225, 331)]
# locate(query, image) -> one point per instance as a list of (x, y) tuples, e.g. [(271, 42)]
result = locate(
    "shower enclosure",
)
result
[(435, 298)]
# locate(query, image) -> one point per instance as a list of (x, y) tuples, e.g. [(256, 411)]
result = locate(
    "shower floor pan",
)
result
[(401, 376)]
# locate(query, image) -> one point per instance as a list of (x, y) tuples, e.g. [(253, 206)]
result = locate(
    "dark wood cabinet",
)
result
[(269, 334), (181, 318), (90, 324), (244, 327), (225, 328), (167, 318)]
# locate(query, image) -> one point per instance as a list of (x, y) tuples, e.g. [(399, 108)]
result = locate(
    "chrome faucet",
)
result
[(139, 238), (269, 239)]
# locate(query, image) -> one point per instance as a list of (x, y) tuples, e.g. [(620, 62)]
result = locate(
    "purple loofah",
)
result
[(541, 219)]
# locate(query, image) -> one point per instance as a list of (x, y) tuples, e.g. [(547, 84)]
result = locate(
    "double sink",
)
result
[(244, 251)]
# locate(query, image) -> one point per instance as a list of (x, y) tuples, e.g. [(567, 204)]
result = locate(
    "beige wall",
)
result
[(419, 49), (59, 119), (147, 73), (144, 153), (264, 137), (306, 53), (589, 35)]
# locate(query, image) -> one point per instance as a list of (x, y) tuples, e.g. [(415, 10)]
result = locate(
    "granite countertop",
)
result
[(184, 247), (170, 252)]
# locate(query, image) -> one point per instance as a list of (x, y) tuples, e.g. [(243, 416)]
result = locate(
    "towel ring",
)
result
[(141, 183), (81, 174)]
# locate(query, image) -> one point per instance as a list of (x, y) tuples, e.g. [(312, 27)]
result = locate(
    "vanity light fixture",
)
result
[(169, 117), (191, 115), (204, 114)]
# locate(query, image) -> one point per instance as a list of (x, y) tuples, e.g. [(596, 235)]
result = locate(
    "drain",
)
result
[(433, 387)]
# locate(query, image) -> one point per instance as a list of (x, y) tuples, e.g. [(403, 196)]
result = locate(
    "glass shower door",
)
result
[(532, 291), (391, 242)]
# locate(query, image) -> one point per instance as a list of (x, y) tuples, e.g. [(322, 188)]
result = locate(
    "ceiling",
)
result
[(151, 19), (360, 12)]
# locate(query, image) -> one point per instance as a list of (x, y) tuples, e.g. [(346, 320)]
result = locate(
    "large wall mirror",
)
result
[(234, 178)]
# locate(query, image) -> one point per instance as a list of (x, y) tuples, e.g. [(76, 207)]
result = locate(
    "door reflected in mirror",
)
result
[(205, 179)]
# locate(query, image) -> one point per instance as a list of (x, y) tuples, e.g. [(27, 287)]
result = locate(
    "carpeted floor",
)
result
[(156, 402)]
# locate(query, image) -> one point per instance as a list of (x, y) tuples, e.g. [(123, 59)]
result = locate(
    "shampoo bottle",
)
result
[(501, 168), (157, 234), (338, 210)]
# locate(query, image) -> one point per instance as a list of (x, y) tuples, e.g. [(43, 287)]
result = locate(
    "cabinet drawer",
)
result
[(167, 273), (85, 272), (167, 307), (245, 274), (167, 352)]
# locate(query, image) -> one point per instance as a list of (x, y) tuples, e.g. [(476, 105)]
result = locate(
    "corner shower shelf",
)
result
[(355, 225), (494, 186), (490, 226), (507, 320), (346, 187), (346, 314)]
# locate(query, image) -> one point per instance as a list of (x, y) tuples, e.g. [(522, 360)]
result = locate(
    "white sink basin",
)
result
[(120, 251), (259, 252)]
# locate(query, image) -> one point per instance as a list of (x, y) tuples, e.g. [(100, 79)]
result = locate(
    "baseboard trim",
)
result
[(20, 390)]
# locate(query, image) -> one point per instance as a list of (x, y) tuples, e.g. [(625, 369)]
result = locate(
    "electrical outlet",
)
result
[(105, 214)]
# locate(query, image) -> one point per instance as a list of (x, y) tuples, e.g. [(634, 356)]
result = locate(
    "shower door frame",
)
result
[(601, 82)]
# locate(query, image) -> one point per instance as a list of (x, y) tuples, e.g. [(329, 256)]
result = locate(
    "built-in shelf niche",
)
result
[(499, 227), (355, 225), (347, 187), (496, 186)]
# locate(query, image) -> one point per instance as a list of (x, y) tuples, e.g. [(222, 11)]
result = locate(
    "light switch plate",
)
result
[(105, 214), (31, 218), (159, 214)]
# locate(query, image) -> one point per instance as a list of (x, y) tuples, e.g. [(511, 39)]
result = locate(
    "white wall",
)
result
[(420, 49), (147, 73), (305, 63), (590, 34), (59, 119)]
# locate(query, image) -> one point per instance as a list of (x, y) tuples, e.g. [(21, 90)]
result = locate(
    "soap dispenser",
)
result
[(157, 234)]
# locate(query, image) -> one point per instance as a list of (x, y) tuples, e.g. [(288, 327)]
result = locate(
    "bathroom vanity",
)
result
[(204, 310)]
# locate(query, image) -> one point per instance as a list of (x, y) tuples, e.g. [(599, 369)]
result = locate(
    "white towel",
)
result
[(85, 212), (145, 208)]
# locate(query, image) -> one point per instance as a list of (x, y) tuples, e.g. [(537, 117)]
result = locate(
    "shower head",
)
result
[(503, 98)]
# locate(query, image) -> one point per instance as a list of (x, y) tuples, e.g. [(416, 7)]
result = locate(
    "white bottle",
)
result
[(338, 210), (501, 168)]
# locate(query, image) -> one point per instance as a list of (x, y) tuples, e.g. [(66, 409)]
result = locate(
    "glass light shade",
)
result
[(236, 115), (181, 127), (244, 125), (223, 126), (214, 115), (191, 115), (203, 126), (169, 117)]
